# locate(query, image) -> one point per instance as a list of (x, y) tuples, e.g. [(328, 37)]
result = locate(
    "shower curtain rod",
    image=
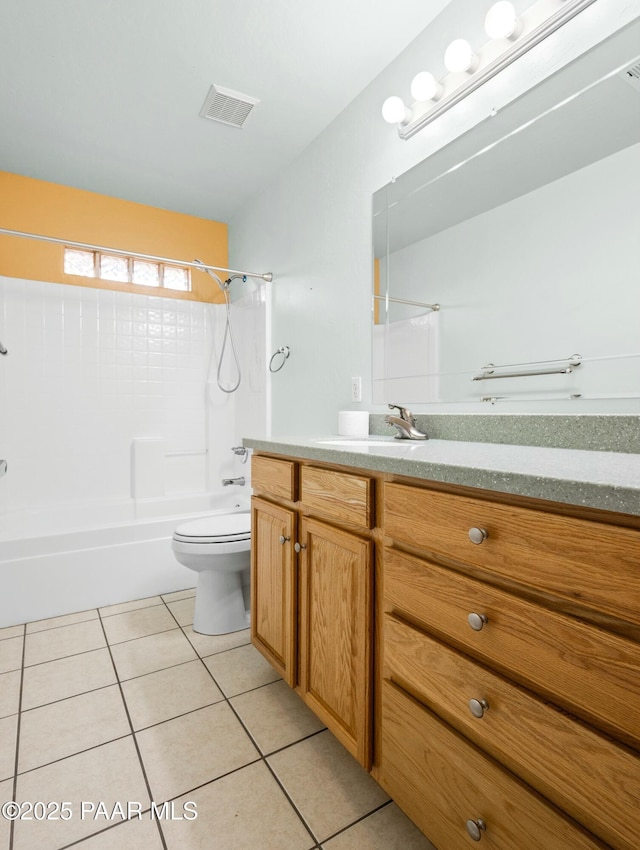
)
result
[(192, 265)]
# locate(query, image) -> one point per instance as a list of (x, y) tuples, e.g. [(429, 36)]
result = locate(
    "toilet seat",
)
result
[(228, 528)]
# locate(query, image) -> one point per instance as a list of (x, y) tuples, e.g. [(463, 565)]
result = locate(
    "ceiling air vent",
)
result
[(227, 107), (632, 75)]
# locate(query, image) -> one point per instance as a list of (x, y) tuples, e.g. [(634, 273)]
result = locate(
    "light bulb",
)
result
[(460, 57), (394, 111), (502, 21), (425, 87)]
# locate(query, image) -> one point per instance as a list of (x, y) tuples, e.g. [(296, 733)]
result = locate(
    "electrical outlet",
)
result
[(356, 389)]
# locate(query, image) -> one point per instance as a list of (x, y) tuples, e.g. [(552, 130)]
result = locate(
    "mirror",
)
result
[(507, 264)]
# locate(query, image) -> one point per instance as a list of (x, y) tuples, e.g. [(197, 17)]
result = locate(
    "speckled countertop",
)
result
[(605, 480)]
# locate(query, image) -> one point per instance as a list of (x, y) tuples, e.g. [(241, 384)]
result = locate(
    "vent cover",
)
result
[(632, 75), (227, 107)]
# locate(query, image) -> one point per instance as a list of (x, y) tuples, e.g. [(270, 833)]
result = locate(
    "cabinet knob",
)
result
[(299, 547), (284, 539), (478, 535), (477, 621), (475, 828), (477, 707)]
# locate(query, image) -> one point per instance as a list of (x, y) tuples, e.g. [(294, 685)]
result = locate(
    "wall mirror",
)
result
[(525, 233)]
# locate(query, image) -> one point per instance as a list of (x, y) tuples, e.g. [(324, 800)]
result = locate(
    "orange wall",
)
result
[(49, 209)]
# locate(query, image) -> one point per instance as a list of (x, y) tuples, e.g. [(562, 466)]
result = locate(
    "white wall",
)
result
[(88, 373), (312, 227)]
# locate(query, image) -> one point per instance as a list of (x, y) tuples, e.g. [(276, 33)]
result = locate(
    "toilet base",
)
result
[(219, 603)]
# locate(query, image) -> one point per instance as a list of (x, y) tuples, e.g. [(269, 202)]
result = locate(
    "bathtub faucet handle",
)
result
[(240, 481), (241, 452)]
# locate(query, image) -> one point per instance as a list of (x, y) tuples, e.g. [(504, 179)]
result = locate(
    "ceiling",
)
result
[(105, 96)]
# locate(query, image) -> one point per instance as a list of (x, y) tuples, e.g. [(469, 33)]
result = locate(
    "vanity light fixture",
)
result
[(460, 58), (502, 21), (510, 36)]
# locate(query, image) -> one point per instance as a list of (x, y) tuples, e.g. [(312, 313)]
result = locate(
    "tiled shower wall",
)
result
[(88, 372)]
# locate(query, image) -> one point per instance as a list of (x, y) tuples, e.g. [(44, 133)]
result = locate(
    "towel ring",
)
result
[(285, 351)]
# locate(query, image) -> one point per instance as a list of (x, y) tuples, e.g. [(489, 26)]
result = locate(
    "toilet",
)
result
[(218, 548)]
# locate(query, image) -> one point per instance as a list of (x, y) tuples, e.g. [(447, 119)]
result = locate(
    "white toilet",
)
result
[(218, 548)]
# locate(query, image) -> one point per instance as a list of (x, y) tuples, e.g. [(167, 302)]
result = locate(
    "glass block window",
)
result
[(176, 278), (123, 269), (82, 263), (147, 274), (114, 268)]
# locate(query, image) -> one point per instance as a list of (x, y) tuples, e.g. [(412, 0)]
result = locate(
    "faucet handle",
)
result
[(405, 413)]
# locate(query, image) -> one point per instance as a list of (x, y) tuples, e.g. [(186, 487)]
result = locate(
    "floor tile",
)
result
[(240, 670), (67, 727), (193, 749), (6, 793), (169, 693), (211, 644), (148, 654), (386, 829), (275, 716), (11, 631), (64, 620), (123, 607), (11, 654), (183, 609), (326, 784), (179, 594), (243, 811), (110, 774), (8, 732), (137, 624), (63, 641), (9, 693), (66, 677), (137, 834)]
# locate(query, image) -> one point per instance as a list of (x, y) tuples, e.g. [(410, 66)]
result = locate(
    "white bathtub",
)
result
[(53, 564)]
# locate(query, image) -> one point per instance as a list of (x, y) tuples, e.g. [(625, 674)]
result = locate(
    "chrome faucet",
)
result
[(240, 481), (405, 424)]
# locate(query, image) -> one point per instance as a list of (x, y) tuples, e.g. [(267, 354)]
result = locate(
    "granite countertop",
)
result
[(605, 480)]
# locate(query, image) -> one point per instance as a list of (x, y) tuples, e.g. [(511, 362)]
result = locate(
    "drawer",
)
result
[(590, 672), (273, 477), (442, 782), (588, 563), (539, 743), (337, 495)]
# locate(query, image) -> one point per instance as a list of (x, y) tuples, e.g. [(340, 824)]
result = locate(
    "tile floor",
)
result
[(119, 710)]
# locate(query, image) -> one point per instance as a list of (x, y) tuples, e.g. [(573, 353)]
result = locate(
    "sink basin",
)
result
[(389, 443)]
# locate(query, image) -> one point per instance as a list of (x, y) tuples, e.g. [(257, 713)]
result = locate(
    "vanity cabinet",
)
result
[(479, 652), (312, 598), (510, 672)]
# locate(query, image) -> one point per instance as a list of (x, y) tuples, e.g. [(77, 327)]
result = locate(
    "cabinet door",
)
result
[(336, 570), (274, 586)]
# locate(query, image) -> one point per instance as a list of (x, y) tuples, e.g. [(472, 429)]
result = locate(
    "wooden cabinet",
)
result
[(274, 586), (336, 636), (480, 654), (510, 661), (312, 595)]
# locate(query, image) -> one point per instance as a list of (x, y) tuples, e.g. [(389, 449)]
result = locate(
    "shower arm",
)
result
[(268, 277)]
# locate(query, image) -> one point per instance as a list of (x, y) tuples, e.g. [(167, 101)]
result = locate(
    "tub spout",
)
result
[(240, 481)]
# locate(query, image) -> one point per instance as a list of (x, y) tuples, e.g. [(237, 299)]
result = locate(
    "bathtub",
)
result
[(78, 558)]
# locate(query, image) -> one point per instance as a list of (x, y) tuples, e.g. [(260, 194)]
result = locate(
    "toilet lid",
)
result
[(223, 528)]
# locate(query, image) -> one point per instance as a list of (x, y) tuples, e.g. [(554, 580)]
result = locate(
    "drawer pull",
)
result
[(478, 535), (284, 539), (477, 621), (299, 547), (475, 828), (477, 707)]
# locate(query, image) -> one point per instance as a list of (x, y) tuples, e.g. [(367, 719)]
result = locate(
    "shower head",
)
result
[(242, 277), (212, 274)]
